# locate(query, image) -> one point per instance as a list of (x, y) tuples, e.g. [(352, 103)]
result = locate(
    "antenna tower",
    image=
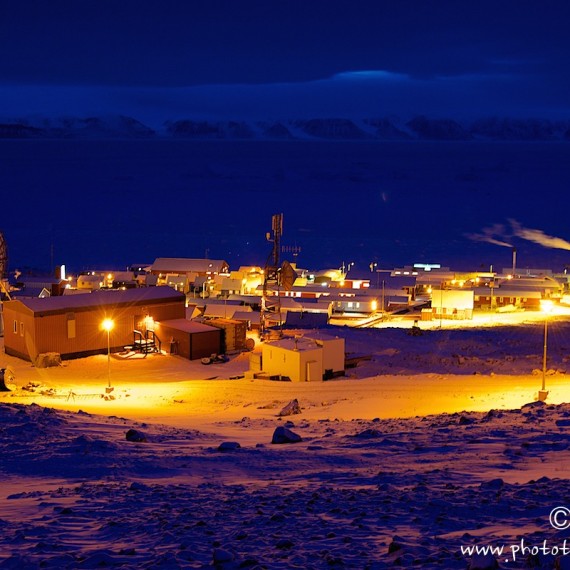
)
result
[(3, 265), (272, 271)]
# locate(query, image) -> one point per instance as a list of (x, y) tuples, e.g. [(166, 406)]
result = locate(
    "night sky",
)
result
[(279, 60), (272, 59)]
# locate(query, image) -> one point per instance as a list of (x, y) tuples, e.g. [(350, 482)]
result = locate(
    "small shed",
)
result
[(234, 333), (300, 360), (189, 339)]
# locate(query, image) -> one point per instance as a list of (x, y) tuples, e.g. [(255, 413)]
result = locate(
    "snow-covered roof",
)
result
[(187, 326), (216, 310), (506, 292), (30, 293), (251, 316), (38, 281), (297, 344), (185, 265), (101, 298), (246, 299), (531, 283)]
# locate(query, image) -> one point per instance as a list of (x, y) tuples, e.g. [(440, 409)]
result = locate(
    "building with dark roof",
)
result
[(72, 325)]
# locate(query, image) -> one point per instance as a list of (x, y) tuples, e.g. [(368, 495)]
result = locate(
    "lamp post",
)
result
[(441, 305), (546, 307), (108, 325)]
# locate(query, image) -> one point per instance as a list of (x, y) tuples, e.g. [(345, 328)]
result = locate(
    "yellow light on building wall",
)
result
[(108, 325)]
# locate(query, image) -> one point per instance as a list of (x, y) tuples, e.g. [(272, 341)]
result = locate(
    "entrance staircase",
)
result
[(146, 342)]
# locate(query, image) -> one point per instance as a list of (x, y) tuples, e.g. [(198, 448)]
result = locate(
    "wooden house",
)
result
[(492, 298)]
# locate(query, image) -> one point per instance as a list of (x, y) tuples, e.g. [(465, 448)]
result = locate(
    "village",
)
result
[(283, 315)]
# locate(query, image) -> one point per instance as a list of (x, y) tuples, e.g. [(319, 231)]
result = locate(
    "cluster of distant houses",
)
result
[(198, 307)]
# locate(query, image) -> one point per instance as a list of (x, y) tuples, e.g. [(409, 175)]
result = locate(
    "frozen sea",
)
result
[(111, 203)]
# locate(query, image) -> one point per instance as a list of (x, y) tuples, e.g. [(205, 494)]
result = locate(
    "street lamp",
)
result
[(108, 325), (546, 307)]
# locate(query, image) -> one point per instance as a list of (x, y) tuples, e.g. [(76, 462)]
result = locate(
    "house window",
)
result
[(15, 327), (21, 328)]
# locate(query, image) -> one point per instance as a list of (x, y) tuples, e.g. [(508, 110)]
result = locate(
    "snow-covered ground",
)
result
[(432, 444)]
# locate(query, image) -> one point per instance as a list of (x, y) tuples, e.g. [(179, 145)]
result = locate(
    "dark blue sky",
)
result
[(270, 59)]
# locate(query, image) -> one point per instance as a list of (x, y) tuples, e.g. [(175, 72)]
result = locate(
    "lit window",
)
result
[(15, 327)]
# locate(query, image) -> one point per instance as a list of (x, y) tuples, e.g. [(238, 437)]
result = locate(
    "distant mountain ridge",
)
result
[(336, 128)]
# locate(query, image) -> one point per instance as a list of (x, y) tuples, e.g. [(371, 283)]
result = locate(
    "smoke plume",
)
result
[(495, 234), (538, 236)]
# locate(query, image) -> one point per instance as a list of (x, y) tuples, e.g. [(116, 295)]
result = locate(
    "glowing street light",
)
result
[(108, 325), (546, 307)]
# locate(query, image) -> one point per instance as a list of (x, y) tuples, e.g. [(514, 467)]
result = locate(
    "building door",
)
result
[(313, 371)]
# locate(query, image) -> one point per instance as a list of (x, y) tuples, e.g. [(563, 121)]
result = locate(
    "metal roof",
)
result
[(187, 326), (101, 298)]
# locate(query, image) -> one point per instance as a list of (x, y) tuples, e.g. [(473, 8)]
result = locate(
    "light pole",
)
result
[(441, 305), (546, 307), (108, 325)]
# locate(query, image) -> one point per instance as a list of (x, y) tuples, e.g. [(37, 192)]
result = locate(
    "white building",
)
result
[(452, 303), (304, 359), (300, 360)]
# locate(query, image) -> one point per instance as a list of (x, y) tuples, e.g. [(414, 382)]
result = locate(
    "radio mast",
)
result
[(271, 273), (3, 265)]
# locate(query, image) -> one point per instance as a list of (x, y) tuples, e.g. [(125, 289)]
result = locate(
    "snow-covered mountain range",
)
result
[(345, 129)]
